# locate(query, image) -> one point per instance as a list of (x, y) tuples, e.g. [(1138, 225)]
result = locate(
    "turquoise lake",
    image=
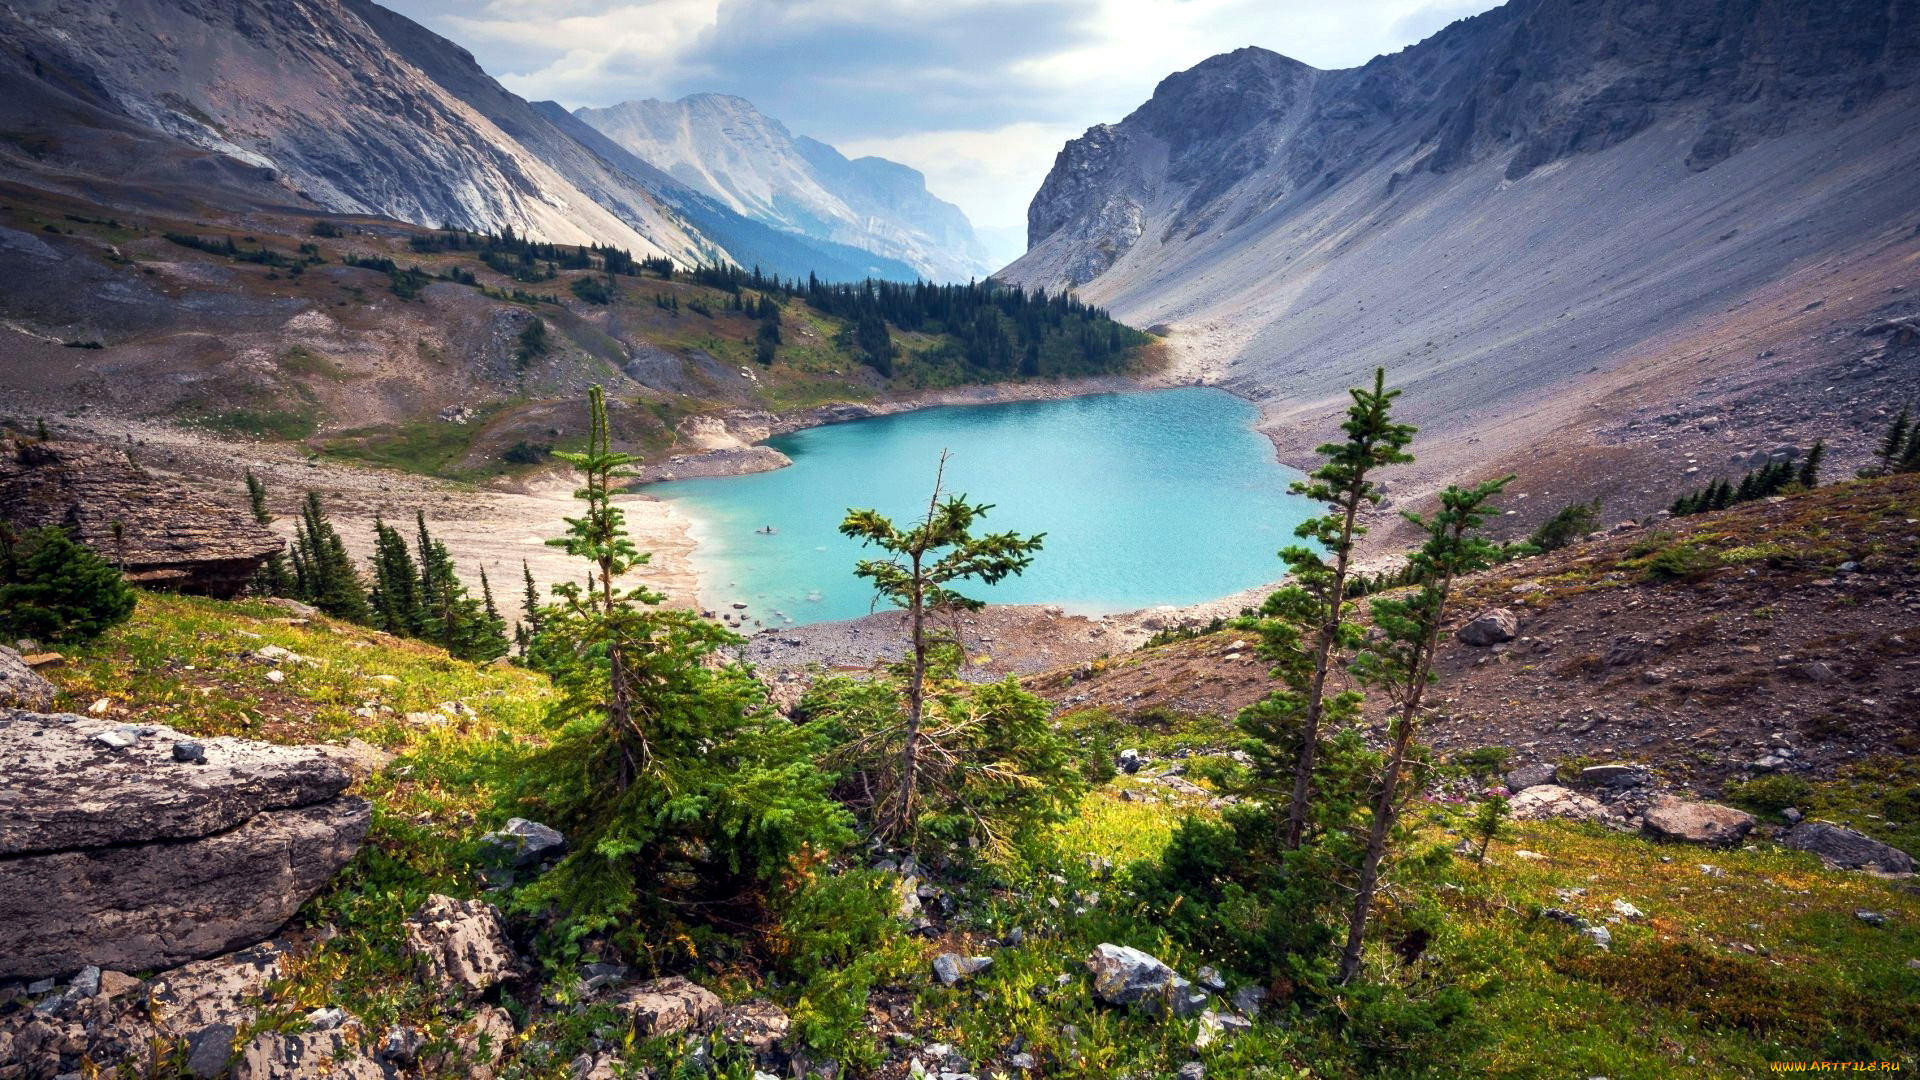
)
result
[(1161, 497)]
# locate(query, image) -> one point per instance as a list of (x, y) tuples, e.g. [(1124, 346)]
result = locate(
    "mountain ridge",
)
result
[(1529, 218), (723, 146)]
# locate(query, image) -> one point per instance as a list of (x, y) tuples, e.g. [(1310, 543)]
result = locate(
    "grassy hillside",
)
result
[(1739, 958), (433, 352)]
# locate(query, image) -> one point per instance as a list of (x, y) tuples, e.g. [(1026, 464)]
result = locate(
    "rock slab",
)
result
[(669, 1006), (114, 854), (1673, 818), (1847, 849)]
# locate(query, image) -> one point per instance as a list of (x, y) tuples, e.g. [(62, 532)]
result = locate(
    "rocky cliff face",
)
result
[(335, 104), (160, 534), (724, 147), (1525, 207)]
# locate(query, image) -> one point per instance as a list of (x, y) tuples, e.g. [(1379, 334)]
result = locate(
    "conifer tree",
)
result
[(1748, 489), (1895, 443), (396, 584), (56, 589), (529, 625), (682, 794), (1400, 662), (275, 577), (328, 579), (922, 564), (1809, 475), (1304, 626)]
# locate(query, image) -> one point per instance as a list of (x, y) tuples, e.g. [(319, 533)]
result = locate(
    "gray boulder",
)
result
[(1847, 849), (21, 687), (952, 968), (1490, 627), (668, 1007), (524, 843), (1123, 975), (1527, 776), (461, 945), (127, 859), (1673, 818)]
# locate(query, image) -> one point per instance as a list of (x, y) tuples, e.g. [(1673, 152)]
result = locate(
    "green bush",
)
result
[(1483, 761), (58, 590), (1772, 793)]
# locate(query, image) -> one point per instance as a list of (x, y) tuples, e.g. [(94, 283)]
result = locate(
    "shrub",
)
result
[(1483, 761), (1772, 793), (1572, 522), (56, 589)]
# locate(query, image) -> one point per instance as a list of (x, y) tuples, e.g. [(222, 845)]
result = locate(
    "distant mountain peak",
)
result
[(726, 148)]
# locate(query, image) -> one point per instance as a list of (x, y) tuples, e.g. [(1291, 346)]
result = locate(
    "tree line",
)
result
[(414, 590)]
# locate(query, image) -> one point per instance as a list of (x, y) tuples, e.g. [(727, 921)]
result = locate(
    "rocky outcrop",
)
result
[(522, 843), (1543, 801), (159, 533), (668, 1006), (461, 945), (1673, 818), (110, 1019), (1847, 849), (114, 853), (21, 687)]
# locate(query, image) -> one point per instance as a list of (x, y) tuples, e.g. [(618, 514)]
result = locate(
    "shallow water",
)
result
[(1162, 497)]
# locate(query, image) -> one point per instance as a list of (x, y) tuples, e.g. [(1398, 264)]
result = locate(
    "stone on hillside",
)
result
[(1847, 849), (1192, 1070), (1218, 1026), (1544, 801), (524, 843), (668, 1007), (1490, 627), (168, 534), (127, 859), (1612, 775), (757, 1025), (952, 968), (1527, 776), (461, 944), (1673, 818), (1250, 999), (21, 687), (1123, 975)]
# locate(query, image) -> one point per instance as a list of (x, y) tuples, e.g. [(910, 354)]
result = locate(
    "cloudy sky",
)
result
[(977, 94)]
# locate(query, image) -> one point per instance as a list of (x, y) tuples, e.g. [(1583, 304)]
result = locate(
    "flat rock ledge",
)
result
[(137, 848)]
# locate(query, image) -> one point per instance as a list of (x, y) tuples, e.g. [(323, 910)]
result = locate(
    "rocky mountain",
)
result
[(342, 106), (336, 105), (1554, 207), (724, 147)]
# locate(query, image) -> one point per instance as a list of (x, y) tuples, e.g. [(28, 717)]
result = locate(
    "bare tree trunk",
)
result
[(916, 689), (1386, 807), (1316, 696)]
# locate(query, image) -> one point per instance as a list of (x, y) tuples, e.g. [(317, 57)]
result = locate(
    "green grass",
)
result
[(1763, 960)]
